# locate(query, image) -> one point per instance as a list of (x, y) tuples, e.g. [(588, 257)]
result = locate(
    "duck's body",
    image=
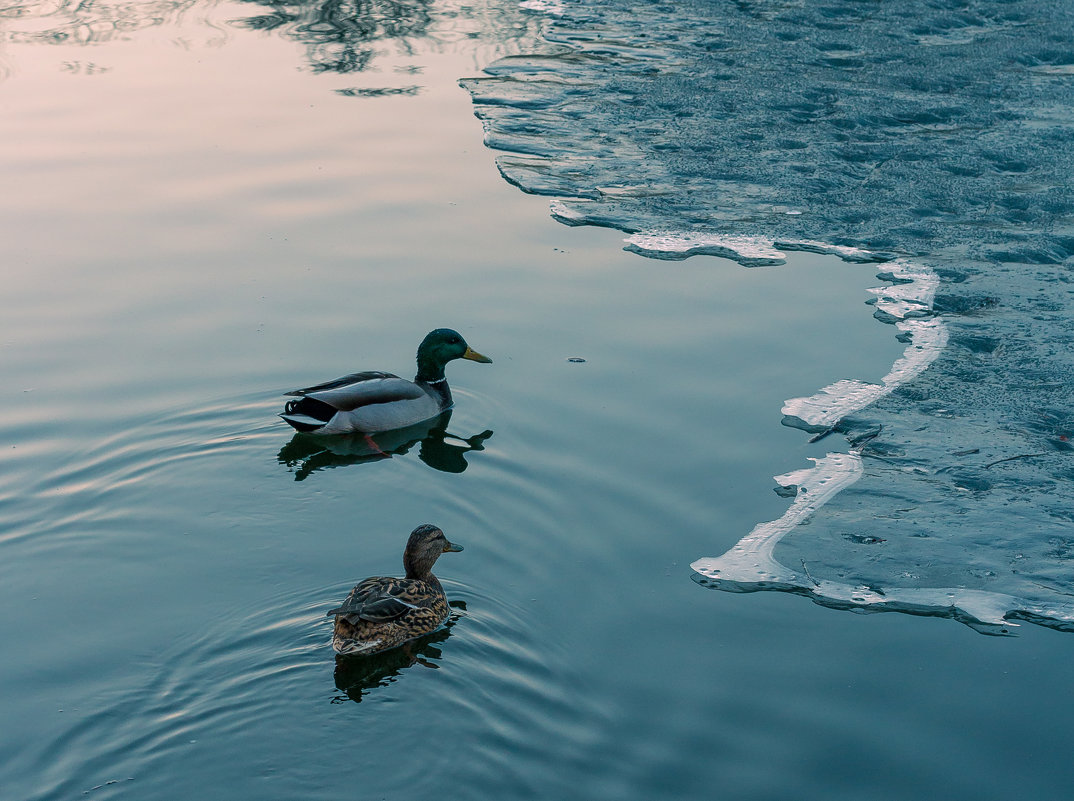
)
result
[(383, 612), (366, 403), (369, 402)]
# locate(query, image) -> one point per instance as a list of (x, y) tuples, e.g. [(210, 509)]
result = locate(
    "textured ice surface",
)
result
[(752, 251), (751, 566), (935, 138), (551, 7)]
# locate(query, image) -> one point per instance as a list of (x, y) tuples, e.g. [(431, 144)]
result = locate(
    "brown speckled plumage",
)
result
[(383, 612)]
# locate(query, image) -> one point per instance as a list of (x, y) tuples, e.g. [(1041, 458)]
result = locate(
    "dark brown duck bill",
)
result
[(452, 547), (474, 356)]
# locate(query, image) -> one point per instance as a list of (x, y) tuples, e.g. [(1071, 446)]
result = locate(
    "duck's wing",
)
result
[(353, 378), (384, 609), (362, 389), (375, 601)]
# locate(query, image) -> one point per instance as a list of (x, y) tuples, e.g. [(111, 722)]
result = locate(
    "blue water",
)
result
[(208, 204)]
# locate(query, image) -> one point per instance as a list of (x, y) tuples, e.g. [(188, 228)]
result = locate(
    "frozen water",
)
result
[(751, 565), (751, 251), (934, 138)]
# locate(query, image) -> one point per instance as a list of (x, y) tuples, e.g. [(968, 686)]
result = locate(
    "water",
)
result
[(209, 204)]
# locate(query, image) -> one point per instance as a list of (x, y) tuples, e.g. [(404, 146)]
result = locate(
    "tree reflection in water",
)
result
[(340, 34)]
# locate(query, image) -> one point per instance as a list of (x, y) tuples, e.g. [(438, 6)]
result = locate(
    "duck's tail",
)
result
[(345, 646), (307, 414)]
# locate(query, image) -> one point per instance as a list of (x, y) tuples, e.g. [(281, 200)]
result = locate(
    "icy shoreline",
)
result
[(707, 133), (751, 565)]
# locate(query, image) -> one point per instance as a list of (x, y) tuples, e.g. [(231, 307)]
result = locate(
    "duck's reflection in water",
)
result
[(307, 453), (357, 675)]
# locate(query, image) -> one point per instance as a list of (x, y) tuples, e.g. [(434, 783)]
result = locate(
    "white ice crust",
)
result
[(751, 251), (553, 8)]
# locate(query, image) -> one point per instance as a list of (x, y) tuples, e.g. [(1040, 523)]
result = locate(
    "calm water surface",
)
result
[(209, 204)]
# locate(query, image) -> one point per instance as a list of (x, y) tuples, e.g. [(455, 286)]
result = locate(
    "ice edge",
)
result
[(750, 565), (553, 8)]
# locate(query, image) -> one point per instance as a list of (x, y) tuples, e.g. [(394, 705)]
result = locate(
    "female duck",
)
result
[(366, 403), (382, 612)]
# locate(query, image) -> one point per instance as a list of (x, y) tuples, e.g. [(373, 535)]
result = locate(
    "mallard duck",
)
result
[(382, 612), (366, 403)]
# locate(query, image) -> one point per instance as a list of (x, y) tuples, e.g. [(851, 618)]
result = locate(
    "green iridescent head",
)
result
[(438, 348)]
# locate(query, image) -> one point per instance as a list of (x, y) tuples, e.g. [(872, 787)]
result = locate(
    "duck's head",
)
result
[(424, 547), (441, 346)]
